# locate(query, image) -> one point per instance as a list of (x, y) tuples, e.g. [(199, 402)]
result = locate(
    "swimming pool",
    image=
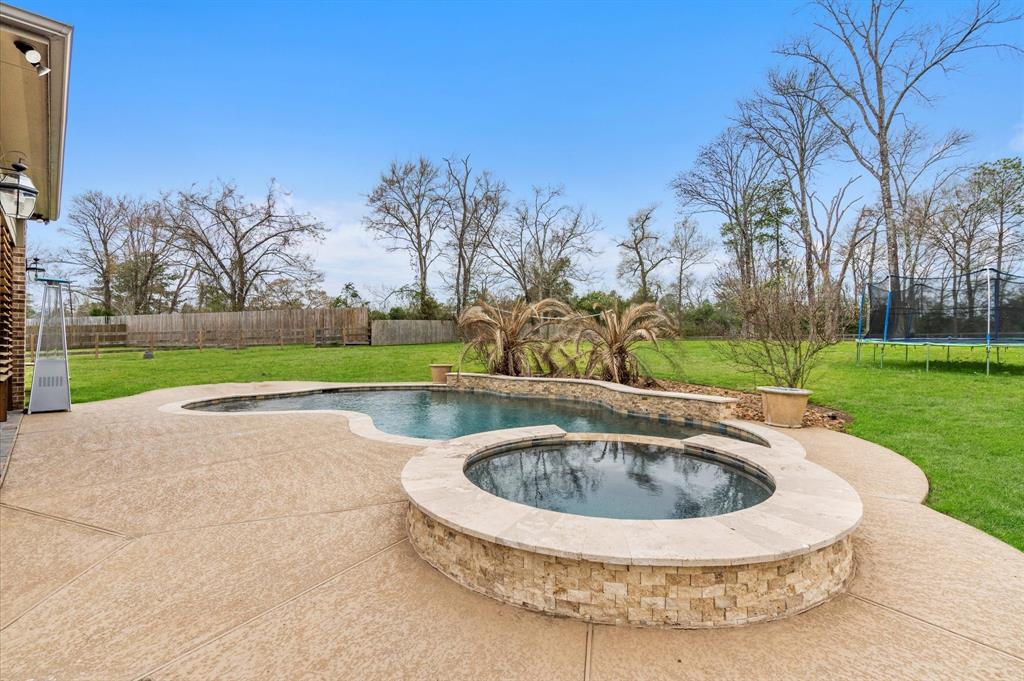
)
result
[(444, 414)]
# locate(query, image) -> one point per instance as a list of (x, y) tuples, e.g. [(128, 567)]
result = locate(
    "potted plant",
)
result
[(783, 334), (783, 405), (439, 373)]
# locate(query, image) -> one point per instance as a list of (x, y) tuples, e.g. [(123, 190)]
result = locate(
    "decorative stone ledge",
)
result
[(651, 403), (642, 595), (771, 560)]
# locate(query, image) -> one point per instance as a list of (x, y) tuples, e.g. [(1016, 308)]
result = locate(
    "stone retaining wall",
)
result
[(687, 597), (652, 403)]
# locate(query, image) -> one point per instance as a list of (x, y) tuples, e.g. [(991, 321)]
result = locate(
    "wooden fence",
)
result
[(94, 336), (218, 329), (342, 326), (412, 332)]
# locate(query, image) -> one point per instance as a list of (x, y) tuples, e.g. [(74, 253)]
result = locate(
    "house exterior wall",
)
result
[(12, 315), (18, 304)]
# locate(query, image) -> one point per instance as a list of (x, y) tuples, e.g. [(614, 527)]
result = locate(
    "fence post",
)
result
[(199, 338)]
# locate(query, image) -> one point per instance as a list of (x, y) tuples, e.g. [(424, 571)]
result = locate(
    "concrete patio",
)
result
[(141, 544)]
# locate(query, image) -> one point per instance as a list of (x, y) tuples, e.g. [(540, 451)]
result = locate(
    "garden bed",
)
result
[(748, 407)]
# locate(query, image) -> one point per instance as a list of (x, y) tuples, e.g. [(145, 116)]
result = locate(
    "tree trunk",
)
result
[(888, 216), (464, 284), (805, 230), (422, 267)]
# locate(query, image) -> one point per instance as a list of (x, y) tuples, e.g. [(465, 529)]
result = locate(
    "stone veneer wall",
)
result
[(679, 408), (687, 597)]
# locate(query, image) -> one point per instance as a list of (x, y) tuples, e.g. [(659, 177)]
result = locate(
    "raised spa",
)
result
[(616, 479), (639, 530)]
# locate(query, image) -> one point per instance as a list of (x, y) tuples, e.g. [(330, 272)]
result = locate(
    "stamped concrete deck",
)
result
[(136, 543)]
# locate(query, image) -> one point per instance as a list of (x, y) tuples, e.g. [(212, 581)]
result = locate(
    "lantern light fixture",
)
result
[(17, 192), (34, 269)]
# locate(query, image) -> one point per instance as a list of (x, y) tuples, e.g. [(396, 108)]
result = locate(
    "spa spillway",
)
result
[(623, 529)]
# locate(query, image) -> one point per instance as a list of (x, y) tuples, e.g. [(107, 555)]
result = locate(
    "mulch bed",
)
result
[(749, 407)]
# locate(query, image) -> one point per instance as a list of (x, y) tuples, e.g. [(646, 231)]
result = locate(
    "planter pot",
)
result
[(439, 373), (783, 407)]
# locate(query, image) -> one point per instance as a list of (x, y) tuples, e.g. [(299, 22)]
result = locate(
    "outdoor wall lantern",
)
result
[(32, 56), (17, 193)]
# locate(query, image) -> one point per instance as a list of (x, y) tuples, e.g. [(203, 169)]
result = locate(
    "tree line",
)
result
[(839, 98), (203, 248)]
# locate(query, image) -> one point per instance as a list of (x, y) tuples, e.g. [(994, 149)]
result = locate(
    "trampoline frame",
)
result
[(927, 342)]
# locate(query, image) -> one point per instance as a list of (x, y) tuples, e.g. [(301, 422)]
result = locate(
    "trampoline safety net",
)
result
[(985, 306)]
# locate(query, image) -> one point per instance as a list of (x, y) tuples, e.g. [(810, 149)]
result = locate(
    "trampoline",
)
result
[(979, 309)]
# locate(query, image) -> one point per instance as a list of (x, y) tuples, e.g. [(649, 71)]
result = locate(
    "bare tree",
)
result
[(96, 232), (795, 129), (147, 253), (872, 63), (827, 219), (730, 177), (407, 212), (687, 249), (1002, 185), (474, 204), (642, 252), (785, 333), (860, 248), (543, 247), (237, 245), (960, 233), (917, 160)]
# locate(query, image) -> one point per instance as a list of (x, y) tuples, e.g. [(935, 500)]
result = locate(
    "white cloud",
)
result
[(349, 253)]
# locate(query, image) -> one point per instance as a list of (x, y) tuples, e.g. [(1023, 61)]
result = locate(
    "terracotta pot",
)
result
[(783, 407), (439, 373)]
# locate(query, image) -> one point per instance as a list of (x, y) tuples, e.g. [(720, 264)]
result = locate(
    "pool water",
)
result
[(617, 480), (445, 414)]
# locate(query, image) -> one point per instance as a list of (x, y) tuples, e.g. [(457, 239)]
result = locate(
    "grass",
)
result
[(965, 430)]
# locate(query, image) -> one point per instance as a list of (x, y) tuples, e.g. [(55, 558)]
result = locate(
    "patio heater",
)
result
[(51, 389)]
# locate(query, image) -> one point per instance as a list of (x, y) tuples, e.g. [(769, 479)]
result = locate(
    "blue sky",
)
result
[(610, 99)]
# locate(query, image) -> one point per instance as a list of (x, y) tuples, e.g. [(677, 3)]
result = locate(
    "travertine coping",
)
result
[(811, 507), (359, 423), (772, 560)]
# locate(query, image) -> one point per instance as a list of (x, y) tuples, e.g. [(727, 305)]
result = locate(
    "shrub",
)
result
[(608, 342), (784, 331), (512, 342)]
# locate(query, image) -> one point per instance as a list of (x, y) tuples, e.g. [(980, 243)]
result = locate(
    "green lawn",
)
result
[(965, 430)]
